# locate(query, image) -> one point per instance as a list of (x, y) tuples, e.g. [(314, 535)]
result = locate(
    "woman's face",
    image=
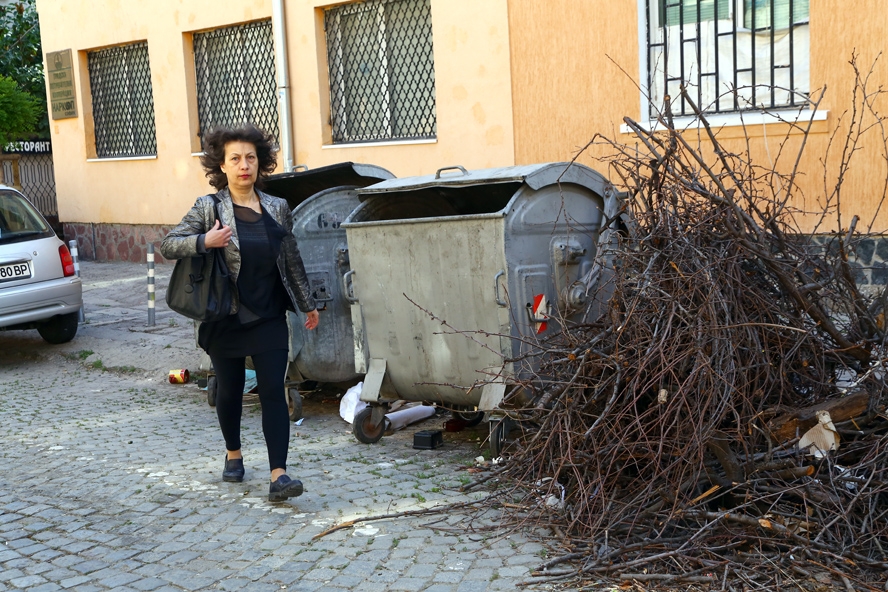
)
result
[(241, 165)]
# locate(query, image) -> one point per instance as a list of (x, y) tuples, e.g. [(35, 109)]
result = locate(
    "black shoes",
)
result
[(233, 472), (280, 490), (284, 488)]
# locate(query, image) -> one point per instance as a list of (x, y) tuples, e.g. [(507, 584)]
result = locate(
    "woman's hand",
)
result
[(217, 236), (311, 320)]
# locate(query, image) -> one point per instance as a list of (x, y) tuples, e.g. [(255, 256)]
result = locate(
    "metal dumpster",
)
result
[(456, 273), (321, 199)]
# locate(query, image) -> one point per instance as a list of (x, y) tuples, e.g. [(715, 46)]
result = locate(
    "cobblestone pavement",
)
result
[(110, 479)]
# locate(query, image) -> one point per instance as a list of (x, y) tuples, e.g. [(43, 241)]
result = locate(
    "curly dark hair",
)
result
[(214, 152)]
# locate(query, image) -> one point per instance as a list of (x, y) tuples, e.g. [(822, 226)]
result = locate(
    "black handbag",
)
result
[(200, 287)]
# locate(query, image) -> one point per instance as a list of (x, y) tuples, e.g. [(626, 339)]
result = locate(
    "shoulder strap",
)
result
[(216, 202)]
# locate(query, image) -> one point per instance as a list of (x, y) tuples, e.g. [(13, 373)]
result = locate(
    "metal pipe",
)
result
[(151, 284), (72, 248), (283, 80)]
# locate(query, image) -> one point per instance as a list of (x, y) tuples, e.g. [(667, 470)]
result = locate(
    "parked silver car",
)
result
[(38, 285)]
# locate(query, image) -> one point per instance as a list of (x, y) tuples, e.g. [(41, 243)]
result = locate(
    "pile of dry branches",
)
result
[(662, 446)]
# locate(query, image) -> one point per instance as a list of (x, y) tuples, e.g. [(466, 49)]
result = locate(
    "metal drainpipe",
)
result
[(283, 78)]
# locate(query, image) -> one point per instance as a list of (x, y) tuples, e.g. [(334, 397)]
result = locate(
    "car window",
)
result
[(19, 220)]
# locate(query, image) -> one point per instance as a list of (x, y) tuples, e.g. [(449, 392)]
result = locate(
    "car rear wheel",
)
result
[(60, 328)]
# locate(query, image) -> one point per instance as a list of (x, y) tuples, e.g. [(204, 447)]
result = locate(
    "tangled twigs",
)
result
[(663, 436)]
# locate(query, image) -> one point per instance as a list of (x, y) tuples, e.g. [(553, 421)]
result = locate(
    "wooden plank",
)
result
[(791, 425)]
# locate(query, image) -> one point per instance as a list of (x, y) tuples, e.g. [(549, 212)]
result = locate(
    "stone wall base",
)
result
[(868, 259), (116, 242)]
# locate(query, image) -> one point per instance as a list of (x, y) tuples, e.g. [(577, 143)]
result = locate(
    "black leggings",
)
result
[(271, 369)]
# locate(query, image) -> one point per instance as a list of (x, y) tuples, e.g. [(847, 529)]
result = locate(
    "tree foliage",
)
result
[(21, 60), (19, 111)]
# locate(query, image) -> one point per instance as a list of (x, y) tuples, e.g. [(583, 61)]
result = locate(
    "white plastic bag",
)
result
[(407, 413), (351, 403)]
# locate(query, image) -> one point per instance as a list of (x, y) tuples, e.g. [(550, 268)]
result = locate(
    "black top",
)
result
[(260, 323), (262, 294)]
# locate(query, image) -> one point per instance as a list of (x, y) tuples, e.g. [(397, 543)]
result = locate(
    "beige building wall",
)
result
[(517, 82), (132, 191), (575, 74), (473, 102), (472, 87), (567, 83)]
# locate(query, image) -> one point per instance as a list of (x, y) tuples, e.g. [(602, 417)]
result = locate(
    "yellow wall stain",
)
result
[(478, 112), (494, 136)]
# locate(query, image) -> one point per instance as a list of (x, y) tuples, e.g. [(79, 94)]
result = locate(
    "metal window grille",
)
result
[(122, 101), (726, 64), (382, 70), (38, 182), (235, 74)]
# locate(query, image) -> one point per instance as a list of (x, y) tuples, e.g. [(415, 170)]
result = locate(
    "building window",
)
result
[(122, 101), (382, 70), (235, 78), (727, 54)]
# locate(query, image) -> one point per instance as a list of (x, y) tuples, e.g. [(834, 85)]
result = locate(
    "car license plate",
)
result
[(15, 271)]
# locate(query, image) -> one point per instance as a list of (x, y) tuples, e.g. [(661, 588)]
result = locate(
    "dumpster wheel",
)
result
[(499, 432), (472, 418), (364, 429), (212, 384), (294, 404)]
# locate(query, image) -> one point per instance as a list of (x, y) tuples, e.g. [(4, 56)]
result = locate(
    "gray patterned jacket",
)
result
[(182, 241)]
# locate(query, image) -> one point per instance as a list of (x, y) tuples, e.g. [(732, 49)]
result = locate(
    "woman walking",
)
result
[(254, 231)]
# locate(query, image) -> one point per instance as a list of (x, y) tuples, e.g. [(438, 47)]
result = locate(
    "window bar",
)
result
[(681, 52), (792, 96), (734, 53), (385, 78), (698, 45), (773, 55), (753, 62), (665, 62), (650, 86), (717, 38)]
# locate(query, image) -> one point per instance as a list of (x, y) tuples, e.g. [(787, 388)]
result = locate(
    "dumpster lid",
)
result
[(534, 175), (297, 186)]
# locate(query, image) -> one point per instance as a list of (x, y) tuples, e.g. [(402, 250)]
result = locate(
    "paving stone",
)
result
[(9, 574), (47, 587), (409, 584), (148, 584), (141, 505), (26, 581), (472, 586), (116, 580), (73, 581), (55, 574)]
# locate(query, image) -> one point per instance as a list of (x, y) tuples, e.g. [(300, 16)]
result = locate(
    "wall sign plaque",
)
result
[(60, 73)]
